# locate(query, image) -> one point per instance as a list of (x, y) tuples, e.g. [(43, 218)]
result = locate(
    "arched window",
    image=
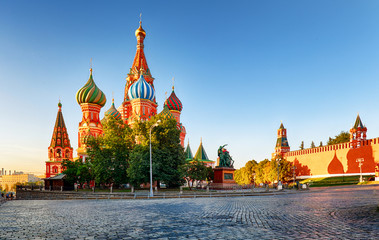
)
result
[(67, 154), (55, 169), (59, 153)]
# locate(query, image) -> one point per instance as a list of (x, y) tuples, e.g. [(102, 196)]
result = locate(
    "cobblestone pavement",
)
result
[(324, 213)]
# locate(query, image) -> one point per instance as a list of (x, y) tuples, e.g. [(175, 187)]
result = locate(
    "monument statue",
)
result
[(224, 157)]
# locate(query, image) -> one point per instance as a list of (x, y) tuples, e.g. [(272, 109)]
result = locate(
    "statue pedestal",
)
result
[(223, 178)]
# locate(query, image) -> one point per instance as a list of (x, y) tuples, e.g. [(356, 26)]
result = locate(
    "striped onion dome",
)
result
[(90, 93), (173, 102), (113, 111), (166, 114), (141, 89)]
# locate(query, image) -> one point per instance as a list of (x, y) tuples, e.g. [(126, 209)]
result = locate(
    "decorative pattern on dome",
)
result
[(173, 102), (166, 114), (113, 112), (90, 93), (141, 89)]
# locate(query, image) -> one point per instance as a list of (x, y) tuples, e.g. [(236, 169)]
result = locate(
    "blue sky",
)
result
[(240, 68)]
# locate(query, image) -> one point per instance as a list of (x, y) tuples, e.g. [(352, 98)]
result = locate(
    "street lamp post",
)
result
[(151, 161), (278, 163), (360, 161)]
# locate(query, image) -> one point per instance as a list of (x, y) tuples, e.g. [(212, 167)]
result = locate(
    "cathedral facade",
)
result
[(139, 104)]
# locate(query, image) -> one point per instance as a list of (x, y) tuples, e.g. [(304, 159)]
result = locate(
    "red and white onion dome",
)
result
[(173, 102)]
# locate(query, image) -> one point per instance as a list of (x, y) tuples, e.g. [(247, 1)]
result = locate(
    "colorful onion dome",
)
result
[(166, 114), (112, 111), (141, 89), (140, 30), (59, 104), (90, 93), (173, 102)]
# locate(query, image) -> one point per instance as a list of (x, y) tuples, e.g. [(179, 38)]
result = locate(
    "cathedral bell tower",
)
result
[(60, 148)]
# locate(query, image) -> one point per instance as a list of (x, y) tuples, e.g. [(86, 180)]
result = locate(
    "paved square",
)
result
[(323, 213)]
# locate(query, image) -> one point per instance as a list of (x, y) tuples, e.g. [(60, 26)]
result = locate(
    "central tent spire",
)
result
[(140, 59)]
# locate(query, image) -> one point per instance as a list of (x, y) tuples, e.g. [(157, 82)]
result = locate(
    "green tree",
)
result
[(266, 171), (196, 171), (167, 154), (313, 145), (301, 145), (110, 152), (77, 171), (321, 144), (340, 138), (245, 175), (262, 171)]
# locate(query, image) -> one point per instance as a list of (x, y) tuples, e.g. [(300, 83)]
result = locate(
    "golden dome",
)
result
[(140, 30)]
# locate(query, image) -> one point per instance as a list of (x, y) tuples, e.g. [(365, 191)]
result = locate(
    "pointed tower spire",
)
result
[(357, 133), (140, 59), (200, 153), (60, 147), (202, 156), (188, 152)]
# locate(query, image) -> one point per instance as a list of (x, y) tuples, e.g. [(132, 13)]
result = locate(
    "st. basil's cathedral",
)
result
[(139, 104)]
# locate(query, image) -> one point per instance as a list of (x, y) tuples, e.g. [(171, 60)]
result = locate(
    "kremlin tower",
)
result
[(91, 99), (60, 147), (281, 146), (357, 133)]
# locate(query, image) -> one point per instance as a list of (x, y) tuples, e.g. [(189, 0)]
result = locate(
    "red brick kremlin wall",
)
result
[(336, 159)]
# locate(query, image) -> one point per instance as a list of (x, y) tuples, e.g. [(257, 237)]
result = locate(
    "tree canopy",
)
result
[(196, 171), (301, 145), (167, 153), (265, 171), (122, 154), (340, 138)]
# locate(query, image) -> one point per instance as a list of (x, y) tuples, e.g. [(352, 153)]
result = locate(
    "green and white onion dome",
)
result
[(112, 111), (90, 93), (141, 89)]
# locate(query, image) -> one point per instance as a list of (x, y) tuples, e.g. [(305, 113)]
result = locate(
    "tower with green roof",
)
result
[(202, 156), (188, 153)]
